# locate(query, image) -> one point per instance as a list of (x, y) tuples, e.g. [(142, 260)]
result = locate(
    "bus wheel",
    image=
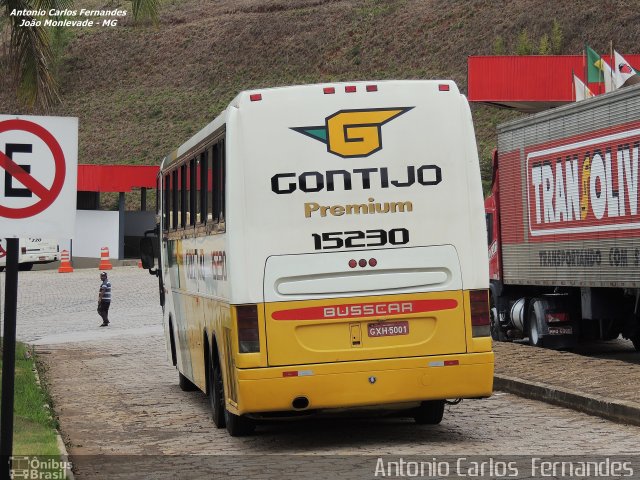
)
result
[(239, 426), (185, 384), (429, 413), (216, 395)]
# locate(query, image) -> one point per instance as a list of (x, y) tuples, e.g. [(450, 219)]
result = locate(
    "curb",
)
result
[(64, 454), (620, 411)]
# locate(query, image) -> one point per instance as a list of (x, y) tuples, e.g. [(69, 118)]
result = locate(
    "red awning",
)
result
[(529, 83), (115, 178)]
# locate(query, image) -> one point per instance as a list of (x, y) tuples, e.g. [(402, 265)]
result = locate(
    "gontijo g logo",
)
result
[(353, 133)]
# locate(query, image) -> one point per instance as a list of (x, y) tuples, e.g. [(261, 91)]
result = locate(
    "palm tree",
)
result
[(30, 52)]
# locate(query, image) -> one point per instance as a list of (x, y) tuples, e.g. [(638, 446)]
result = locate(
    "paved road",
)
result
[(116, 395), (61, 307)]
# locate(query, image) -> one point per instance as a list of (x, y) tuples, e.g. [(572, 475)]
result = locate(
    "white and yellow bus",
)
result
[(324, 247)]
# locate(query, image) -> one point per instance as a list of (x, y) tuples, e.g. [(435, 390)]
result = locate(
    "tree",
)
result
[(30, 53), (498, 46), (524, 44), (556, 37), (544, 48)]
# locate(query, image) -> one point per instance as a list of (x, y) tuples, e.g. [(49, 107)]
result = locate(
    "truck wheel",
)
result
[(216, 395), (534, 325), (185, 384), (429, 413), (494, 323)]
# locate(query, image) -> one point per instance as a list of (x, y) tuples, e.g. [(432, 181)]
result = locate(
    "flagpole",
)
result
[(612, 62), (584, 64)]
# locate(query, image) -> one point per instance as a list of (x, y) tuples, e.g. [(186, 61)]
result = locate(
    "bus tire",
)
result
[(216, 395), (429, 412), (185, 384), (239, 425)]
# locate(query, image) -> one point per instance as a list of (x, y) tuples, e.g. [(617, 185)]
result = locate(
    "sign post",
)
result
[(9, 352), (38, 176)]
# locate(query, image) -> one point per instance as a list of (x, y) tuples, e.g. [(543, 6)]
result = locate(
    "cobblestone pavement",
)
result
[(116, 395), (63, 306), (606, 377)]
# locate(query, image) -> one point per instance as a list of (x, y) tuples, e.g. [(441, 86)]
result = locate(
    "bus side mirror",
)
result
[(146, 253)]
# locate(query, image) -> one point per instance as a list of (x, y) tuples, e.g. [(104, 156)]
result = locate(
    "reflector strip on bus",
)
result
[(359, 310), (298, 373), (444, 363)]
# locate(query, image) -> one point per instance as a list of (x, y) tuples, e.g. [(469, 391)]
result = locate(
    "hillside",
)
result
[(140, 91)]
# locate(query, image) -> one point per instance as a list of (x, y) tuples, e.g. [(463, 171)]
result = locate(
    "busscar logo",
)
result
[(353, 133)]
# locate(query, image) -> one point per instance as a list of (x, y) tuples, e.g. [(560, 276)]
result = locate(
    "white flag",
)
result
[(582, 91), (623, 71), (607, 72)]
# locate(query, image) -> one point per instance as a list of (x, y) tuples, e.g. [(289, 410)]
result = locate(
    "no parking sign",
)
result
[(38, 176)]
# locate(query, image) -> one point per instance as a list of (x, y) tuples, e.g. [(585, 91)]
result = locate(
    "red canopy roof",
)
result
[(115, 178), (529, 83)]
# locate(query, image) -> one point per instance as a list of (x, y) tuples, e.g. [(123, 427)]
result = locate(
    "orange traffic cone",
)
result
[(139, 263), (105, 264), (65, 264)]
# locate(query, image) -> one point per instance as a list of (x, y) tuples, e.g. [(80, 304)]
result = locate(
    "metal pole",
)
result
[(9, 356)]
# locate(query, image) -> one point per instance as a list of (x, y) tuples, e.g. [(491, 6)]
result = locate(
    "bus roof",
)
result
[(249, 95)]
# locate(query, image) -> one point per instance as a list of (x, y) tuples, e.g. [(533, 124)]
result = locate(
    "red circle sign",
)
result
[(47, 195)]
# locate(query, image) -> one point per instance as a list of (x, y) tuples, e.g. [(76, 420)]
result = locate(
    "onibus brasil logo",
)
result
[(353, 133)]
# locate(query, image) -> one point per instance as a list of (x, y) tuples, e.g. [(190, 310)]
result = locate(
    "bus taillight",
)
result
[(479, 300), (248, 334)]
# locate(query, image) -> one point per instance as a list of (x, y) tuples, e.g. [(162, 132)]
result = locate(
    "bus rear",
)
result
[(356, 249)]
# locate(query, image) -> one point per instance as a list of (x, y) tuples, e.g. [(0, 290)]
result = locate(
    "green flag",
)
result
[(594, 66)]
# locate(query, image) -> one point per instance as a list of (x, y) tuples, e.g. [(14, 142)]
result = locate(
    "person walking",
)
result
[(104, 299)]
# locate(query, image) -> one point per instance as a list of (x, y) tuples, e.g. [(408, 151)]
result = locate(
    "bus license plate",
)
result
[(560, 330), (386, 329)]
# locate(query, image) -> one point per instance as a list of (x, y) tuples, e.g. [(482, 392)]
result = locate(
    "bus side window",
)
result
[(158, 210), (215, 200), (211, 184), (183, 195), (202, 187), (167, 202), (192, 192), (175, 197), (221, 179)]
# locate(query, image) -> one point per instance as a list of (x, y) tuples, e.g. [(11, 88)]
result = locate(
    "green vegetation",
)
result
[(34, 427), (545, 47), (549, 43), (557, 38), (524, 46)]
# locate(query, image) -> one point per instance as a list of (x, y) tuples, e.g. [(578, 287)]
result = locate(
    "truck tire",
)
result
[(494, 323), (429, 413), (533, 325)]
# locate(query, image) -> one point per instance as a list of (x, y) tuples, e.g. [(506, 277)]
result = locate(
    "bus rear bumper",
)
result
[(360, 384)]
